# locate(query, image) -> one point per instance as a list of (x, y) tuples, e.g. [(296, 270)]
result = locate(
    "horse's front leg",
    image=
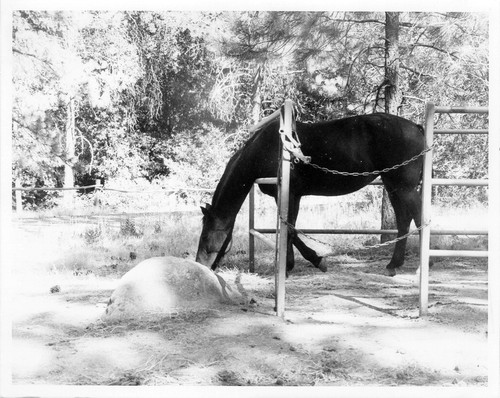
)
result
[(306, 252), (290, 259)]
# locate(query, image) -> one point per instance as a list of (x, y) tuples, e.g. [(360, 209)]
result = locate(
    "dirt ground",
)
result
[(351, 326)]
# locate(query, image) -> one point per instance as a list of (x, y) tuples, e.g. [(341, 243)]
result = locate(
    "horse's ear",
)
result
[(205, 210)]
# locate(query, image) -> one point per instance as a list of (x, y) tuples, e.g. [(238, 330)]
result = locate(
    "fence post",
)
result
[(425, 233), (97, 192), (19, 197), (251, 226), (284, 192)]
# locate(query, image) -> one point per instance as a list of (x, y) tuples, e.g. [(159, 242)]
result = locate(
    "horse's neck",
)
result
[(241, 171), (232, 190)]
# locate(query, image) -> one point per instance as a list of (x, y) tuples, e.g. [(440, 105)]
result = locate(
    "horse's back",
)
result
[(377, 124)]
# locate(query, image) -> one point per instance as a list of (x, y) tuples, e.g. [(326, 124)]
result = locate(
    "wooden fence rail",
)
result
[(18, 189)]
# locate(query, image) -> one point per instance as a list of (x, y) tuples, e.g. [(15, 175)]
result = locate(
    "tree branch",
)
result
[(30, 129), (15, 50), (435, 48), (358, 20), (420, 74), (91, 148), (34, 135)]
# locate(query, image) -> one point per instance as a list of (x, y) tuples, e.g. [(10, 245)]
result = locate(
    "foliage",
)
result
[(92, 235), (196, 157), (164, 96), (128, 228), (176, 72)]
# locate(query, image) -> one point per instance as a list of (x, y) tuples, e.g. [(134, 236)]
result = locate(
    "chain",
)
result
[(370, 173), (293, 146), (389, 242)]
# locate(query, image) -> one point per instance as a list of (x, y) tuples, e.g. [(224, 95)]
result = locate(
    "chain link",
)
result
[(294, 148), (369, 173), (389, 242)]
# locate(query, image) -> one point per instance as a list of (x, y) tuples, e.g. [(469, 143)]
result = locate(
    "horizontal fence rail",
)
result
[(461, 131), (464, 182), (458, 253), (102, 188), (27, 189), (274, 180), (460, 109), (263, 238), (435, 181), (347, 231), (98, 187)]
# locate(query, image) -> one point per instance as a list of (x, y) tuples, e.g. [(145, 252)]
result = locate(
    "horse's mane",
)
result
[(262, 124), (256, 130)]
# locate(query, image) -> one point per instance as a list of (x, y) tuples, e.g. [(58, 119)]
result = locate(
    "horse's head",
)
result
[(215, 238)]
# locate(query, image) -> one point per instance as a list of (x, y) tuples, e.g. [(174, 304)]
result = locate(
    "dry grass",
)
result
[(111, 245)]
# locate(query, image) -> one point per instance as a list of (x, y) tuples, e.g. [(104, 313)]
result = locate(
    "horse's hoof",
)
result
[(391, 272), (322, 266)]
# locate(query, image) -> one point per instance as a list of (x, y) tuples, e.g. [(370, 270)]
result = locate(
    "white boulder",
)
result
[(166, 286)]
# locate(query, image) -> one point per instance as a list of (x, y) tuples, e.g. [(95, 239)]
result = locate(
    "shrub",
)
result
[(128, 228)]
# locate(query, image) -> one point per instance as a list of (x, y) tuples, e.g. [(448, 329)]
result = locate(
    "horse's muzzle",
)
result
[(207, 259)]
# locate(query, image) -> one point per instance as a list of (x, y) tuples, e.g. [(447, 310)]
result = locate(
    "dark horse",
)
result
[(354, 144)]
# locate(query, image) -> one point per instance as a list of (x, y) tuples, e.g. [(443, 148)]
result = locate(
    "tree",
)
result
[(74, 74), (46, 79), (129, 95), (392, 101)]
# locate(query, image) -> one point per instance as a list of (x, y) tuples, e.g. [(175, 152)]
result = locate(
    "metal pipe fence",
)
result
[(427, 183)]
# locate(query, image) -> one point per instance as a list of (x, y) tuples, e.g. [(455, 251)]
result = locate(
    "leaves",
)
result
[(166, 95)]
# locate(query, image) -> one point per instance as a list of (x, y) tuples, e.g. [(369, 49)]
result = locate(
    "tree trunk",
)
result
[(392, 93), (256, 99), (69, 154), (392, 99)]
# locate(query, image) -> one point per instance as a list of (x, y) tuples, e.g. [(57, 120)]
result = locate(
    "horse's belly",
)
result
[(331, 185)]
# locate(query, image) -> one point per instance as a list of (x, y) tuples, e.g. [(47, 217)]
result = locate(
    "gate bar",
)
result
[(461, 131), (458, 253), (435, 181), (374, 231), (460, 109), (266, 180), (464, 182), (262, 237), (274, 180)]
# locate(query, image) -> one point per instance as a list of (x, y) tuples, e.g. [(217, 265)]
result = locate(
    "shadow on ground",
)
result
[(351, 326)]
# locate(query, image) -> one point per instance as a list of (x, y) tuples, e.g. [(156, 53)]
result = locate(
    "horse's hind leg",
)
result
[(309, 254), (406, 204)]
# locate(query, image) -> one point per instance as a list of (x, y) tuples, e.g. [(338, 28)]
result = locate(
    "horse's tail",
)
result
[(422, 131)]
